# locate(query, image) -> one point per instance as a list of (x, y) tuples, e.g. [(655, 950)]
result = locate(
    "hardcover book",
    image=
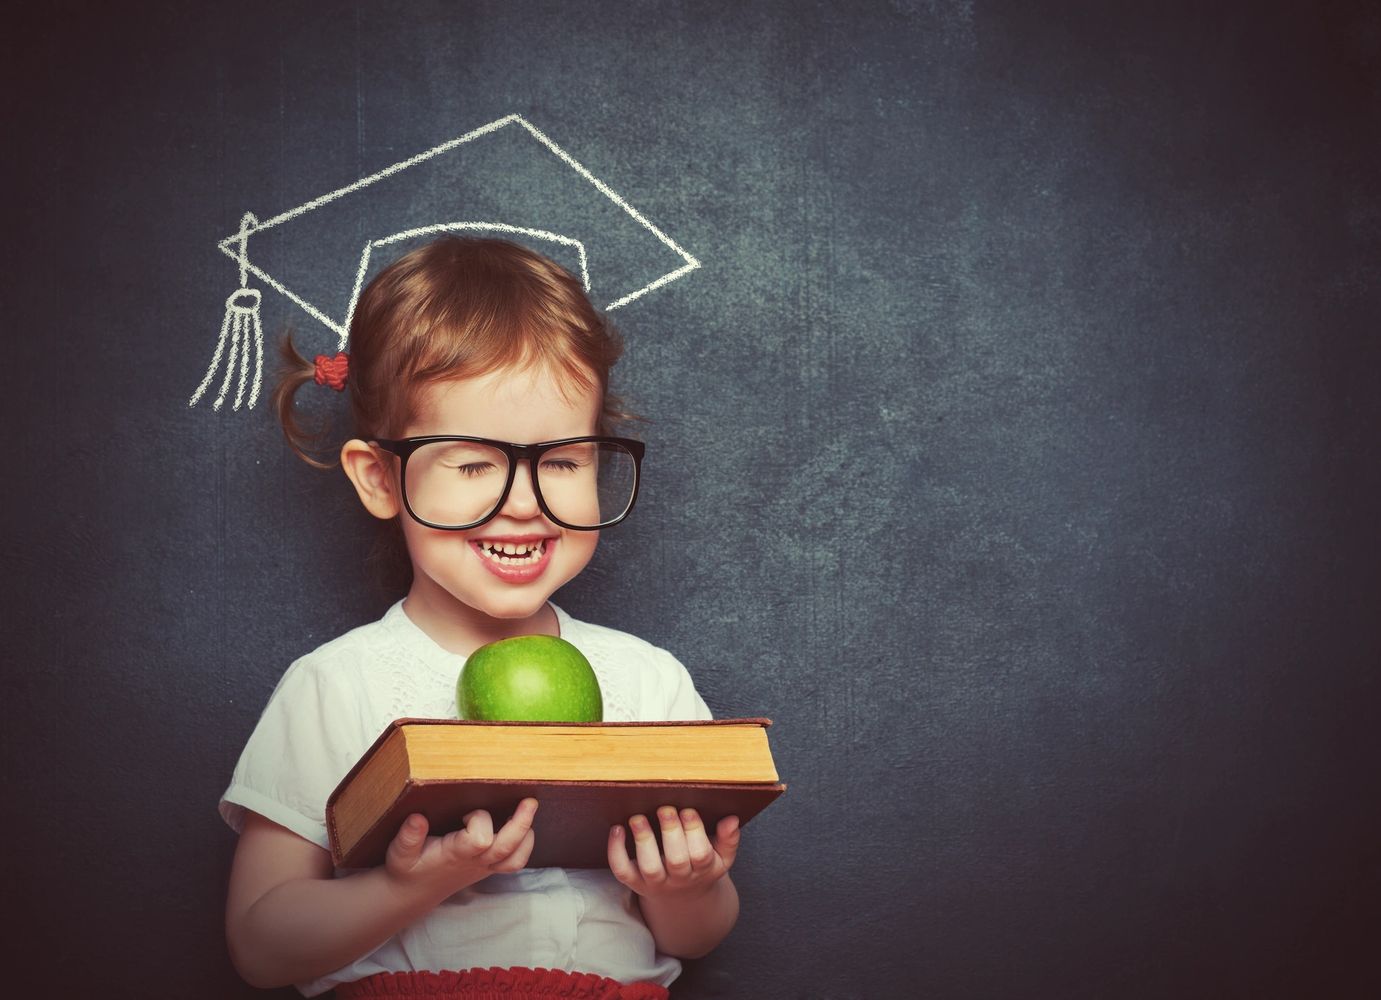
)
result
[(586, 777)]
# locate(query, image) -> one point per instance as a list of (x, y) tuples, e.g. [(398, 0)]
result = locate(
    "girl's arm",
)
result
[(687, 899), (287, 920)]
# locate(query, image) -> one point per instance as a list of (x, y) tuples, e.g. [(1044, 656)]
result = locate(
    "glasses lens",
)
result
[(455, 483), (588, 484)]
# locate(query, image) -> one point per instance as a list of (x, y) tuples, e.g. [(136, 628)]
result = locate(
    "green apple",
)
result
[(529, 678)]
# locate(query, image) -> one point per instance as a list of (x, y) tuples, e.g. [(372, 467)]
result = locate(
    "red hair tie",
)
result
[(332, 371)]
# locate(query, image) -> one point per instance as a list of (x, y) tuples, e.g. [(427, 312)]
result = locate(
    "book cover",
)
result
[(368, 806)]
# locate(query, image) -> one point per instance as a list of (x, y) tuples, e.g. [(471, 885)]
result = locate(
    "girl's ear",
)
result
[(371, 472)]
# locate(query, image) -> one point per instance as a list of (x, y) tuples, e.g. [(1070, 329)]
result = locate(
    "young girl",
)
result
[(468, 339)]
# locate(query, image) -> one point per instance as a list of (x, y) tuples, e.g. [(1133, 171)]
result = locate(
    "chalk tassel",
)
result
[(240, 328)]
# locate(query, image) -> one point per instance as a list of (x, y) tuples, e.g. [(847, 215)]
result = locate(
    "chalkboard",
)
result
[(1012, 447)]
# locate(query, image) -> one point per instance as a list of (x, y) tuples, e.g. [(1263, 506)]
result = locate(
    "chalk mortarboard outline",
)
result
[(242, 324)]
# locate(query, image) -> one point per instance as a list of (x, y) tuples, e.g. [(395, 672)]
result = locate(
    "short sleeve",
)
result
[(300, 749), (682, 701)]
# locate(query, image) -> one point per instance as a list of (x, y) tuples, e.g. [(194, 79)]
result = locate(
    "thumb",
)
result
[(726, 840), (407, 845)]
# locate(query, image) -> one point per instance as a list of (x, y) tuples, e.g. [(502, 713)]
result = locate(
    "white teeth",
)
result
[(512, 553)]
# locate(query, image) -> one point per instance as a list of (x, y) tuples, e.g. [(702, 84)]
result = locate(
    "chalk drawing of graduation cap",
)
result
[(505, 178)]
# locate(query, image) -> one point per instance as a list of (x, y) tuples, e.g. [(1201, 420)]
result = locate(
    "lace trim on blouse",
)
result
[(400, 645)]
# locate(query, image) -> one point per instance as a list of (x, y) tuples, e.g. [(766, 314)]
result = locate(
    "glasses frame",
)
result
[(531, 453)]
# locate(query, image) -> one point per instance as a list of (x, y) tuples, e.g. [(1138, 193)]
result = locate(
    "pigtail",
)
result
[(294, 372)]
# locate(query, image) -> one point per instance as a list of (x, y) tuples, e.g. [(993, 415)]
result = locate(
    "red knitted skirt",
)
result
[(499, 984)]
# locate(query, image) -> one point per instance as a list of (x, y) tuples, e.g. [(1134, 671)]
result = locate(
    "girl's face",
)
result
[(458, 586)]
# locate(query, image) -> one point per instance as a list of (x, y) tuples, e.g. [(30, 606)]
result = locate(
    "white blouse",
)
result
[(331, 705)]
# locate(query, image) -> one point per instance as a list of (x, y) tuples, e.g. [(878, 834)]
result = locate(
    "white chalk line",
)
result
[(230, 364), (258, 332), (663, 280), (215, 359), (312, 310), (609, 193), (341, 329), (241, 323), (293, 213), (447, 227)]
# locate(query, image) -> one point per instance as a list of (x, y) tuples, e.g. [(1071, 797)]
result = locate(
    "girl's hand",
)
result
[(464, 857), (691, 865)]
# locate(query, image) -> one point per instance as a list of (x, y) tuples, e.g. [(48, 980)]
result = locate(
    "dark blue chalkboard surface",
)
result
[(1013, 448)]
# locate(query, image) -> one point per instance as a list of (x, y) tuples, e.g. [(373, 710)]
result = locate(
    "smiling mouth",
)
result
[(513, 553)]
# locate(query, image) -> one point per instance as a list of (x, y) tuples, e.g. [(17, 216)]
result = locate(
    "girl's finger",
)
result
[(517, 861), (675, 851), (511, 835), (619, 863), (407, 845), (697, 843), (727, 839), (649, 857), (478, 832)]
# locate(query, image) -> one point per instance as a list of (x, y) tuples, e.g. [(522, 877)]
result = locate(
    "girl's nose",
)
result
[(522, 499)]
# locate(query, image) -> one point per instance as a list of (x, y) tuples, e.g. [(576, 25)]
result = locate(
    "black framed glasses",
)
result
[(455, 482)]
